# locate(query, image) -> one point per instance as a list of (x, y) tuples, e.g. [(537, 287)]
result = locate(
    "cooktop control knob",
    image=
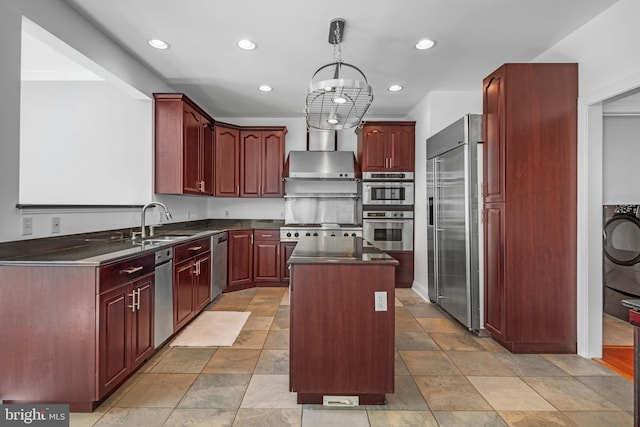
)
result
[(308, 234), (353, 234), (315, 234), (333, 234), (296, 235), (288, 234), (346, 234)]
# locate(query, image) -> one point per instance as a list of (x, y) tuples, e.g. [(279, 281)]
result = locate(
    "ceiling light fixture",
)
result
[(425, 44), (265, 88), (395, 88), (158, 44), (339, 95), (246, 44)]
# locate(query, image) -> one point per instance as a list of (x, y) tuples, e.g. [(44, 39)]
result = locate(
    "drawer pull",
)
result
[(131, 270), (195, 248)]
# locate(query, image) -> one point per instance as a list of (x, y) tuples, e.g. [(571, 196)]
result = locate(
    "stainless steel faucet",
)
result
[(143, 233)]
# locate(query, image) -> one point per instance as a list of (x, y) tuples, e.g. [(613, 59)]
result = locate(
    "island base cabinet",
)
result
[(340, 345)]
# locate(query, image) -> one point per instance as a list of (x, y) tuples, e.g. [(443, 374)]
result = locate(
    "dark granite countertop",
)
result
[(338, 250), (104, 247)]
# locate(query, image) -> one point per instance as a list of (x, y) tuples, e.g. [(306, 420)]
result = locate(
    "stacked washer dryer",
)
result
[(621, 257)]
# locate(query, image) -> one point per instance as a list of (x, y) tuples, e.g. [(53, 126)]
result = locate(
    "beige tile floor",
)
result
[(445, 376)]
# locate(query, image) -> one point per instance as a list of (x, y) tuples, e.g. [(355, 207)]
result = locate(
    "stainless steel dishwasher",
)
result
[(163, 316), (219, 248)]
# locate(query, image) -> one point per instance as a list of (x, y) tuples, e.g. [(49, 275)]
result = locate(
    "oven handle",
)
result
[(396, 220)]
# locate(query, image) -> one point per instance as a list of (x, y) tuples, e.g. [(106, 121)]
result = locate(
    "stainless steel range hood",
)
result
[(323, 165)]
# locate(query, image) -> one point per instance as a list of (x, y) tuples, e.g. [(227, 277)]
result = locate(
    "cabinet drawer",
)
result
[(189, 249), (266, 234), (119, 273)]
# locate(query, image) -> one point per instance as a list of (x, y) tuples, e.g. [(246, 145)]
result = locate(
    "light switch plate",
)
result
[(381, 301), (27, 225), (55, 224)]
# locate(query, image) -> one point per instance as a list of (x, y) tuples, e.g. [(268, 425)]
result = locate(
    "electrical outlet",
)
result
[(27, 225), (381, 301), (55, 224)]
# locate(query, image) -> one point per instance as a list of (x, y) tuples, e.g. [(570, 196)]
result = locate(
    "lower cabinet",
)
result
[(404, 272), (192, 280), (286, 248), (257, 258), (266, 256), (126, 330)]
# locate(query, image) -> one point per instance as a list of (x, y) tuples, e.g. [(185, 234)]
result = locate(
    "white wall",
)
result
[(435, 112), (59, 19), (606, 51), (84, 142), (621, 158)]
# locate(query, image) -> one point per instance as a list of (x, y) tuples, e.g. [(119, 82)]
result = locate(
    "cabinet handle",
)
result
[(137, 291), (252, 239), (237, 189), (131, 270), (193, 248), (202, 186), (196, 269), (133, 301)]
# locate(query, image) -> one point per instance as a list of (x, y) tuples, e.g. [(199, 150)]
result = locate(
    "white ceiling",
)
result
[(473, 37)]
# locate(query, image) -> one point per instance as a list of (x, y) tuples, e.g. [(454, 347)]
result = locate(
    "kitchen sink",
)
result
[(167, 238)]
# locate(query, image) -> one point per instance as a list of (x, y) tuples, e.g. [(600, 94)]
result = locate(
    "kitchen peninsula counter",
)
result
[(100, 248), (342, 294)]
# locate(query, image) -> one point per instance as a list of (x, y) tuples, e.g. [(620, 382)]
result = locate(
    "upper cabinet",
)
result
[(183, 147), (386, 146), (261, 161), (195, 156), (227, 165)]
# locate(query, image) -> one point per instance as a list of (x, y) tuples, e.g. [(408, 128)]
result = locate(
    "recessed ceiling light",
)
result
[(265, 88), (395, 88), (425, 44), (158, 44), (339, 100), (246, 44), (332, 121)]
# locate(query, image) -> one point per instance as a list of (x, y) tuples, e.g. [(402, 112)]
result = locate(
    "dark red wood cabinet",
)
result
[(286, 248), (266, 256), (530, 206), (261, 162), (183, 146), (125, 313), (227, 160), (192, 280), (386, 146), (126, 330), (240, 270), (404, 271)]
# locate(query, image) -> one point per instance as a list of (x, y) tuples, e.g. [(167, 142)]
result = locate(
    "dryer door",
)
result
[(622, 239)]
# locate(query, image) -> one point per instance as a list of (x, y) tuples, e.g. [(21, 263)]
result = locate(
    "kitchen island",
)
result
[(342, 293)]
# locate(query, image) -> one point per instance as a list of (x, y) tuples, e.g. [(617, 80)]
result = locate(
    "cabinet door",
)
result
[(400, 148), (202, 285), (286, 248), (272, 163), (495, 293), (373, 149), (114, 326), (227, 159), (183, 294), (142, 321), (191, 167), (494, 138), (250, 163), (207, 162), (240, 257), (266, 261)]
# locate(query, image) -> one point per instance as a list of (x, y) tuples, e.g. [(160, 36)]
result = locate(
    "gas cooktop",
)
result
[(293, 232)]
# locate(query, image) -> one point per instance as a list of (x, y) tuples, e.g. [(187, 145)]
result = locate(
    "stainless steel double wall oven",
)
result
[(387, 209)]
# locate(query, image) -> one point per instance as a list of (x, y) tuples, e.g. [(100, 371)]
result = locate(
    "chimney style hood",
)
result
[(334, 165)]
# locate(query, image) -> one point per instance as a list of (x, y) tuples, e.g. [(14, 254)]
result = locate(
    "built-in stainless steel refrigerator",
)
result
[(454, 231)]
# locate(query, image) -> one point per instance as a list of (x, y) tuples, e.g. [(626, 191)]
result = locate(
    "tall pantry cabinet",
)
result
[(530, 211)]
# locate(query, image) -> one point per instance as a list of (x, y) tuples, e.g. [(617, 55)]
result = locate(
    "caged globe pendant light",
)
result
[(339, 95)]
